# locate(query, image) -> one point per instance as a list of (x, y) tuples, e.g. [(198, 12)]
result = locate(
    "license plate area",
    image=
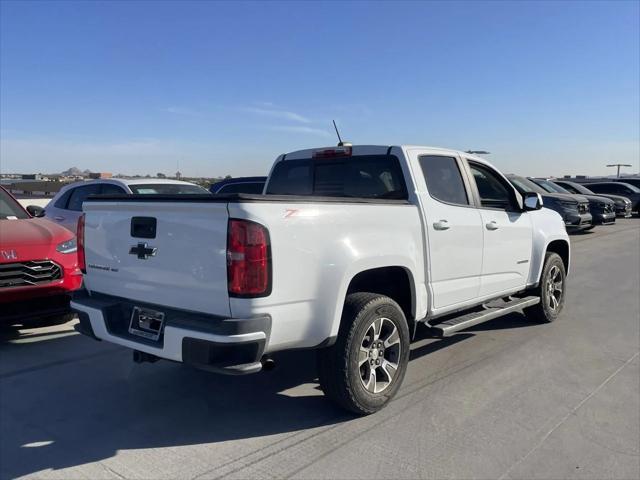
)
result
[(146, 323)]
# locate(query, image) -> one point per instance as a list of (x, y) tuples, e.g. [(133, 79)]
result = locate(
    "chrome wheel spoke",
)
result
[(390, 369), (363, 356), (392, 339), (553, 302), (377, 326), (371, 381)]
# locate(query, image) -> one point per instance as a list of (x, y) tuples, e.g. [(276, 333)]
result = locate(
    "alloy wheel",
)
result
[(554, 288), (379, 355)]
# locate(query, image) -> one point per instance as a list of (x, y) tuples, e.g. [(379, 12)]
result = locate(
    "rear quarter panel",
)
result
[(317, 248)]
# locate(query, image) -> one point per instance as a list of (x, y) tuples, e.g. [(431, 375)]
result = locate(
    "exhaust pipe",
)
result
[(268, 363), (141, 357)]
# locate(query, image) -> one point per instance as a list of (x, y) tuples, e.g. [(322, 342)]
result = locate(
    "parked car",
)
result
[(349, 249), (66, 207), (38, 267), (602, 209), (574, 209), (618, 188), (622, 204), (239, 185), (635, 181)]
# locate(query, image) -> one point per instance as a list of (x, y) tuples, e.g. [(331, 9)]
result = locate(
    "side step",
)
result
[(449, 327)]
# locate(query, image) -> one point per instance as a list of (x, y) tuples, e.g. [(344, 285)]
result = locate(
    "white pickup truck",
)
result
[(347, 250)]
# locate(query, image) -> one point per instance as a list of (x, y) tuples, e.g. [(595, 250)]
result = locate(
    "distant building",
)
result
[(97, 175), (31, 176), (178, 175)]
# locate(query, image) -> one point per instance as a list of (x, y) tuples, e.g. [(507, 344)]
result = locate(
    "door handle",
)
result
[(492, 225), (59, 219), (441, 225)]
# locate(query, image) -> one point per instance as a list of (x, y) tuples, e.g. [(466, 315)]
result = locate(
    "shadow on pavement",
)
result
[(84, 401)]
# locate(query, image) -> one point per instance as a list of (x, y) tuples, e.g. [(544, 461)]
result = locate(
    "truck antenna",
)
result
[(340, 142)]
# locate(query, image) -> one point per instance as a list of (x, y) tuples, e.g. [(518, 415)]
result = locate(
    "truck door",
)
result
[(454, 229), (507, 233)]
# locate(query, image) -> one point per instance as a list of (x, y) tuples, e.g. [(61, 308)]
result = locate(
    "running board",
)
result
[(456, 324)]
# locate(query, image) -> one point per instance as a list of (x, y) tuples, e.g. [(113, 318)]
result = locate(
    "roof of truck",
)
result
[(376, 150)]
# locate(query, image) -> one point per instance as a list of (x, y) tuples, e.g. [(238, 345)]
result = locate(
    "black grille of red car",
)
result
[(36, 272)]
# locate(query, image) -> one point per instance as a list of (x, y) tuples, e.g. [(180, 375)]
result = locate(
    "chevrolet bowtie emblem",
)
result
[(143, 251)]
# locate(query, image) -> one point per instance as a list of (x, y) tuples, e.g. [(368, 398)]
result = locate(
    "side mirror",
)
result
[(532, 201), (35, 211)]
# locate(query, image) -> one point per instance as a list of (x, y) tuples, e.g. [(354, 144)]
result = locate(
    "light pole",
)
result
[(619, 165)]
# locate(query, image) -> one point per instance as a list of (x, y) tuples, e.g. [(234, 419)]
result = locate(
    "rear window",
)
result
[(166, 189), (374, 176)]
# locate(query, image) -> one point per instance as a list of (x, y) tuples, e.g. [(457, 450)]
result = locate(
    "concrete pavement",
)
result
[(505, 399)]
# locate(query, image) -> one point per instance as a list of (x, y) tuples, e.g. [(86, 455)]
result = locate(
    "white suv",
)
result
[(66, 207)]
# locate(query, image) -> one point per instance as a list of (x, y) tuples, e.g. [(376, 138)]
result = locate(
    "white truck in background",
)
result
[(347, 250)]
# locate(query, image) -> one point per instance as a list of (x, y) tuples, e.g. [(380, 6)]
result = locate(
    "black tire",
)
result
[(49, 321), (341, 368), (543, 312)]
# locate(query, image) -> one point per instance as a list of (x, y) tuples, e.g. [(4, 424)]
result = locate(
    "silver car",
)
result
[(66, 207)]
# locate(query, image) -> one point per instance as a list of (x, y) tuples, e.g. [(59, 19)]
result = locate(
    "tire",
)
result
[(552, 284), (373, 336)]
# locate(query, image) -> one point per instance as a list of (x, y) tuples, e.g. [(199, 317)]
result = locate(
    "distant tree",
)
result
[(161, 175), (227, 177)]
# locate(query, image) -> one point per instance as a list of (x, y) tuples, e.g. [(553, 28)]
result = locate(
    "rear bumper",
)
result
[(208, 342)]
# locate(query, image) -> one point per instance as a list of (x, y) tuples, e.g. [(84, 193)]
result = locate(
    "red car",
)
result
[(38, 267)]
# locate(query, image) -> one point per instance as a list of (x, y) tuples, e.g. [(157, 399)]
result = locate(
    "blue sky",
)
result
[(222, 88)]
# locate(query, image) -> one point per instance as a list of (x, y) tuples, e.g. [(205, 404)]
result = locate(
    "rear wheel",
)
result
[(551, 291), (363, 370)]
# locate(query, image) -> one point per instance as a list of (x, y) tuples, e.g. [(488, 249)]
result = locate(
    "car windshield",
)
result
[(524, 185), (633, 188), (9, 208), (551, 187), (167, 189), (582, 189)]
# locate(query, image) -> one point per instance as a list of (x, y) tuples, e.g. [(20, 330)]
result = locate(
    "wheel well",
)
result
[(561, 248), (393, 282)]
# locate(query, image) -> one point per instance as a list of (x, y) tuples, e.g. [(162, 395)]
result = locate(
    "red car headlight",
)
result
[(69, 246)]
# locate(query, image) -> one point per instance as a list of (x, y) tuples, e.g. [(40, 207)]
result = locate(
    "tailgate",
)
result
[(187, 270)]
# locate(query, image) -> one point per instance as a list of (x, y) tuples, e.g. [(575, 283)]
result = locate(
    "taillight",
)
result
[(80, 242), (248, 259)]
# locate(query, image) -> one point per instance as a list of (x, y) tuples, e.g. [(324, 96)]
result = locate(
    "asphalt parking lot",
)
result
[(506, 399)]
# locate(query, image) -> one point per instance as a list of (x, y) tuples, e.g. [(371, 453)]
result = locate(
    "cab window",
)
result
[(491, 188), (443, 179)]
